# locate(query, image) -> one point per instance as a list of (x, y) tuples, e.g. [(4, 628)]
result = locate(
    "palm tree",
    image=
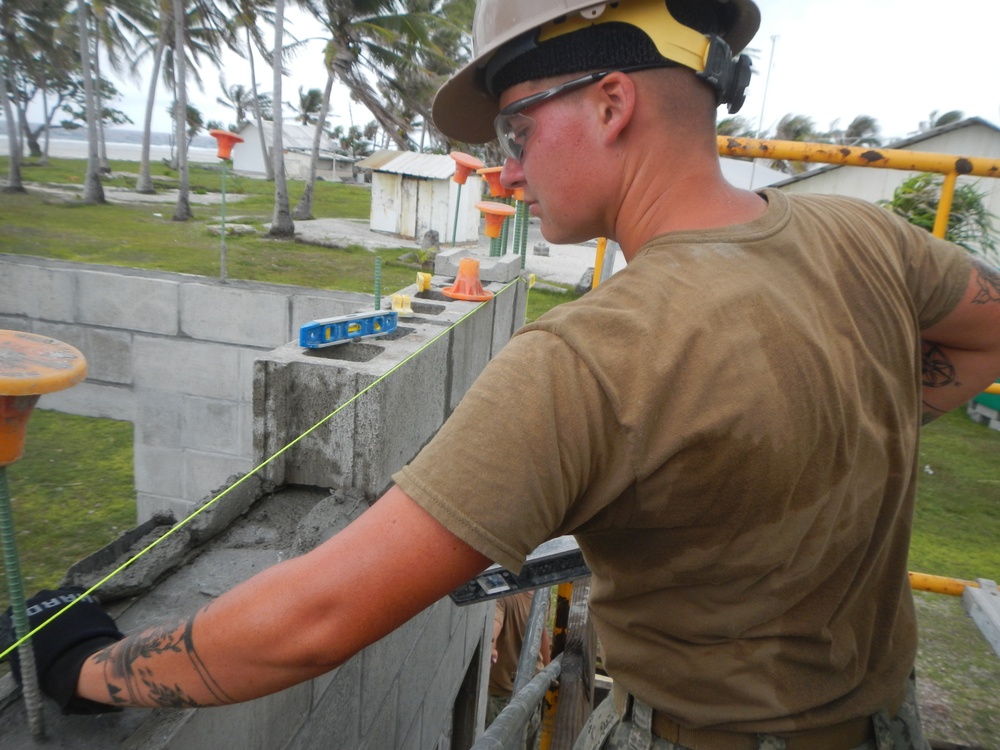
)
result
[(93, 191), (303, 211), (734, 127), (244, 16), (863, 131), (118, 25), (937, 120), (182, 211), (377, 37), (794, 128), (241, 100), (281, 222), (310, 105), (200, 37)]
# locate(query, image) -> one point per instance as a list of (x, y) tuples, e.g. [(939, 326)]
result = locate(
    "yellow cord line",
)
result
[(238, 482)]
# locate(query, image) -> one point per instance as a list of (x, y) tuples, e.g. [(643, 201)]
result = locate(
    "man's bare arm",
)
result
[(961, 354), (294, 621)]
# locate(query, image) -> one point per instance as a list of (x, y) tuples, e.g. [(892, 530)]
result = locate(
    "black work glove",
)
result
[(62, 646)]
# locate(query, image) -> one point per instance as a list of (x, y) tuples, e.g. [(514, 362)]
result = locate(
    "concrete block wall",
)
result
[(407, 691), (171, 353), (407, 395)]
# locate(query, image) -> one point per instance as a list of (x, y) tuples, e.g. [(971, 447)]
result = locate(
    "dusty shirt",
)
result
[(511, 615), (729, 428)]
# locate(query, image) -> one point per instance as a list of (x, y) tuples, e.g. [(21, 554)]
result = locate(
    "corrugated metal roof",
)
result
[(294, 136), (377, 159), (430, 166)]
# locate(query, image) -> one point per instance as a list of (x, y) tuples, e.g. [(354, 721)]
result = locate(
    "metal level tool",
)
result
[(557, 561)]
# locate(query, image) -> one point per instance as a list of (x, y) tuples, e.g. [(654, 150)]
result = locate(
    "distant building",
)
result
[(973, 137), (297, 140), (413, 194)]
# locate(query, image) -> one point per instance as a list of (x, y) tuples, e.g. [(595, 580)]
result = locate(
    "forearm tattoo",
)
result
[(938, 372), (131, 677), (988, 280)]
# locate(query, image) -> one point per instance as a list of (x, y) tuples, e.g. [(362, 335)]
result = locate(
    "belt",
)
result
[(843, 736)]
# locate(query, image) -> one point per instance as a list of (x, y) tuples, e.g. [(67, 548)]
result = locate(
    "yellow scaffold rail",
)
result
[(949, 165), (939, 584)]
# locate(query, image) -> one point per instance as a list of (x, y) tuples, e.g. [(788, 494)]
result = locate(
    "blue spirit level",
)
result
[(331, 331)]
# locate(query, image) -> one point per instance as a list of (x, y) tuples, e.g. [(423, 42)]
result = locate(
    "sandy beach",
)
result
[(74, 149)]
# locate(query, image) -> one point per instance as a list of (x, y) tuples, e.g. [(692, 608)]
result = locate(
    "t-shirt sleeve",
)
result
[(937, 273), (532, 452)]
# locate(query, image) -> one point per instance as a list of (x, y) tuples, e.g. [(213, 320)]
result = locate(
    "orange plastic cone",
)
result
[(495, 214), (30, 365), (467, 285), (225, 141), (465, 164)]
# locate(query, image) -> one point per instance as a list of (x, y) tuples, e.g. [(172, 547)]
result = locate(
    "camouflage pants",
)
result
[(606, 731), (533, 730)]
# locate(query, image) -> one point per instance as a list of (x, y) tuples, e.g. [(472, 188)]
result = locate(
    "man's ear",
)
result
[(615, 95)]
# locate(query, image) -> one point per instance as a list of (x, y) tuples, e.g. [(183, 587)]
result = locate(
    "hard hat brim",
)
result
[(464, 111)]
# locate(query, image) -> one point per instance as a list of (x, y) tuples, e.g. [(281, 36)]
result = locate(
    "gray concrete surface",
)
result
[(565, 264)]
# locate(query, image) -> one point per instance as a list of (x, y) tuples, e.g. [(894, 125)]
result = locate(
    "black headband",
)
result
[(609, 45)]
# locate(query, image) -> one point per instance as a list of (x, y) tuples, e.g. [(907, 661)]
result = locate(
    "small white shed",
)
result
[(297, 140), (414, 193)]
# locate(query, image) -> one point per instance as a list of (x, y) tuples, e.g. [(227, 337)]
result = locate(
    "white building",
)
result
[(972, 137), (413, 194), (297, 140)]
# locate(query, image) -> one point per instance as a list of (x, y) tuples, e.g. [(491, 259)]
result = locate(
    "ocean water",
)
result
[(118, 135), (121, 143)]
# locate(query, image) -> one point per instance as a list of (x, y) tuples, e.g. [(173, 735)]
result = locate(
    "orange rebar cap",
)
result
[(492, 177), (465, 164), (495, 213), (225, 141), (30, 365), (467, 285)]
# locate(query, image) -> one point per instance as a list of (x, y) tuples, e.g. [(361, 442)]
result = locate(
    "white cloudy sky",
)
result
[(896, 60)]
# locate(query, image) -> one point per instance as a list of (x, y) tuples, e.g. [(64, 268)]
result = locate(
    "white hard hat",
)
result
[(465, 106)]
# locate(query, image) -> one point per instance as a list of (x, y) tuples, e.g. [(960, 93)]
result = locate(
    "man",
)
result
[(510, 623), (729, 426)]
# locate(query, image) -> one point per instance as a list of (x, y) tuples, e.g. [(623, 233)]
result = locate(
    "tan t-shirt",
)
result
[(511, 616), (729, 428)]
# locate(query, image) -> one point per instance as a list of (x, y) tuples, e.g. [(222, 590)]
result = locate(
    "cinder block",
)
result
[(94, 400), (38, 292), (149, 504), (441, 694), (190, 367), (234, 314), (503, 268), (157, 470), (412, 736), (116, 300), (381, 733), (335, 716), (381, 667), (109, 355), (263, 724), (420, 668), (510, 308), (16, 323), (206, 474), (470, 351), (211, 425), (159, 418)]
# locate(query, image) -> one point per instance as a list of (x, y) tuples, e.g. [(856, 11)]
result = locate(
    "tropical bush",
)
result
[(970, 224)]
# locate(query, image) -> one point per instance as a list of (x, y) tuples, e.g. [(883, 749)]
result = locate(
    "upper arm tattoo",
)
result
[(988, 279), (938, 372), (131, 676)]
